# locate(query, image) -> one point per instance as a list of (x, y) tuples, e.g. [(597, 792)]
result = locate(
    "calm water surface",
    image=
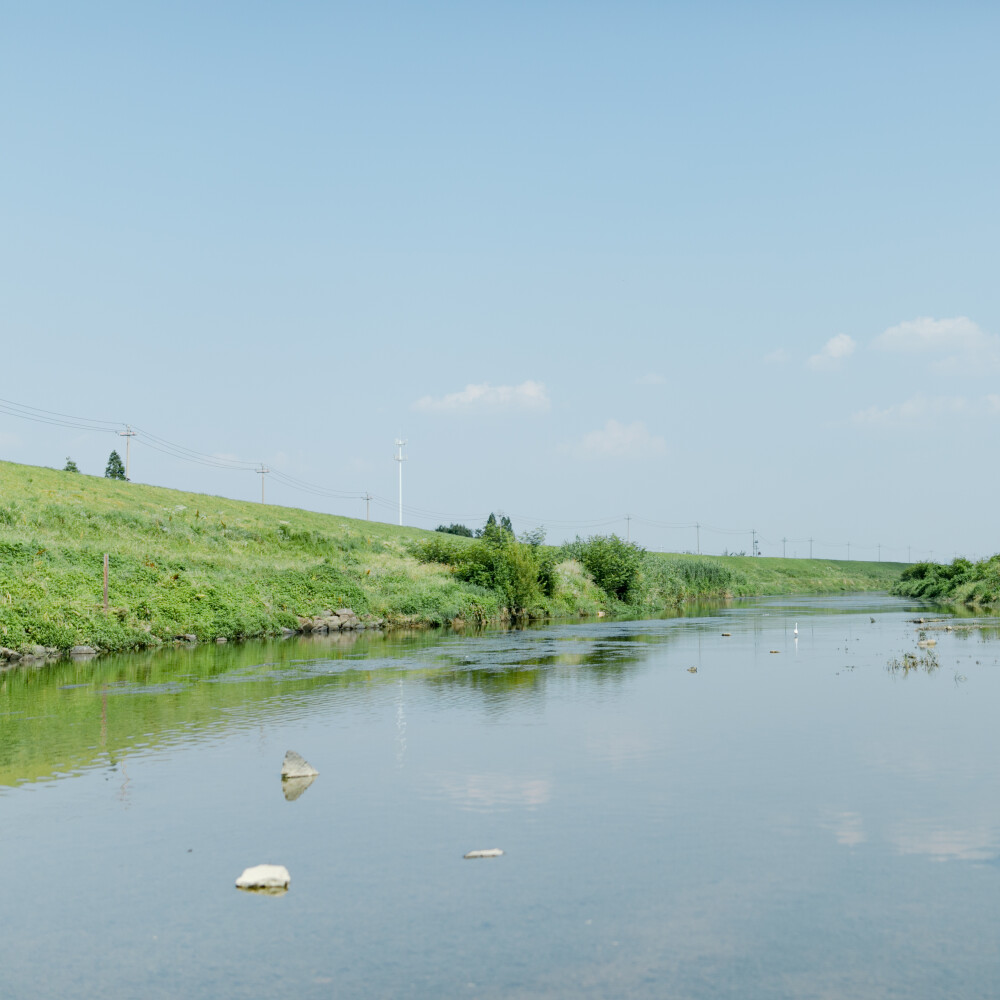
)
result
[(823, 821)]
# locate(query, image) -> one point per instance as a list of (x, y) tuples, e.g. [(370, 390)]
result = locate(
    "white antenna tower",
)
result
[(400, 458)]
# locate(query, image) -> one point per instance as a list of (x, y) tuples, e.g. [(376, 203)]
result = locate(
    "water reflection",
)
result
[(940, 843), (67, 716), (293, 788), (494, 790), (768, 826)]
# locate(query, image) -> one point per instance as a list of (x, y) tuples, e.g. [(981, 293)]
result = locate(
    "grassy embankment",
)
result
[(191, 563), (960, 582)]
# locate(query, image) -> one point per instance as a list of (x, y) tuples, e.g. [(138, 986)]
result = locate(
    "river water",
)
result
[(683, 813)]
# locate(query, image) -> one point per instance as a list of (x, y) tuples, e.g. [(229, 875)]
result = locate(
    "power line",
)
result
[(41, 416), (183, 453)]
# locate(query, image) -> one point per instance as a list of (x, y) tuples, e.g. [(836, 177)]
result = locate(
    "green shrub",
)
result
[(495, 561), (613, 563)]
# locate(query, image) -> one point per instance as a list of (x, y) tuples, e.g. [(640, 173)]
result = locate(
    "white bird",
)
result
[(795, 631)]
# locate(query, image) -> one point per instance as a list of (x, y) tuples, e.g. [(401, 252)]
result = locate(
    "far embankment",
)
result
[(184, 564)]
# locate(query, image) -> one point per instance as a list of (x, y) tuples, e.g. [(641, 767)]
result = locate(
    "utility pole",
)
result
[(628, 528), (401, 458), (783, 540), (810, 548), (848, 551), (262, 471), (879, 551), (128, 434), (697, 536), (368, 506), (753, 550), (908, 554)]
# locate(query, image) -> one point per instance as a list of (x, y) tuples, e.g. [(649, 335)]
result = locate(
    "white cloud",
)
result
[(964, 345), (651, 378), (526, 396), (918, 409), (778, 357), (617, 440), (835, 351)]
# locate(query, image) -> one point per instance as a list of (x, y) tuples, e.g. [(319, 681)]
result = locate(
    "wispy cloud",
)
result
[(778, 357), (919, 409), (960, 344), (526, 396), (617, 440), (651, 378), (834, 353)]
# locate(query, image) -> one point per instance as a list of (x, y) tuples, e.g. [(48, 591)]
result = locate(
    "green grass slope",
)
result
[(191, 563)]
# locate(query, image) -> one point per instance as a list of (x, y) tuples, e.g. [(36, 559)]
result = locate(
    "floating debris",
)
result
[(925, 643), (272, 879), (493, 852), (775, 650), (727, 633), (692, 670)]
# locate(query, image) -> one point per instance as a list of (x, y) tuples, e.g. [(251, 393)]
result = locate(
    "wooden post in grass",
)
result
[(105, 583)]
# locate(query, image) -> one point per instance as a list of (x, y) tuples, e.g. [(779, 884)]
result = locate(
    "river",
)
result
[(683, 813)]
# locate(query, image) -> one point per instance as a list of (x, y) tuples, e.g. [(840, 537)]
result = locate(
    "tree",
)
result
[(70, 465), (534, 538), (115, 468), (495, 529), (455, 529)]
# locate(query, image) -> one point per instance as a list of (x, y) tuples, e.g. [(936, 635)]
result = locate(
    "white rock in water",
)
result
[(264, 877), (493, 852), (296, 766)]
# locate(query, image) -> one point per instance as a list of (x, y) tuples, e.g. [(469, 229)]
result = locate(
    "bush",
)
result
[(497, 562), (613, 563), (934, 580), (439, 550)]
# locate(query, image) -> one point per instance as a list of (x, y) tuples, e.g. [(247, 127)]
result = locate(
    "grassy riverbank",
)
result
[(190, 563)]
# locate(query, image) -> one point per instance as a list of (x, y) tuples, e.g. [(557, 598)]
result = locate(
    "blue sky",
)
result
[(718, 263)]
